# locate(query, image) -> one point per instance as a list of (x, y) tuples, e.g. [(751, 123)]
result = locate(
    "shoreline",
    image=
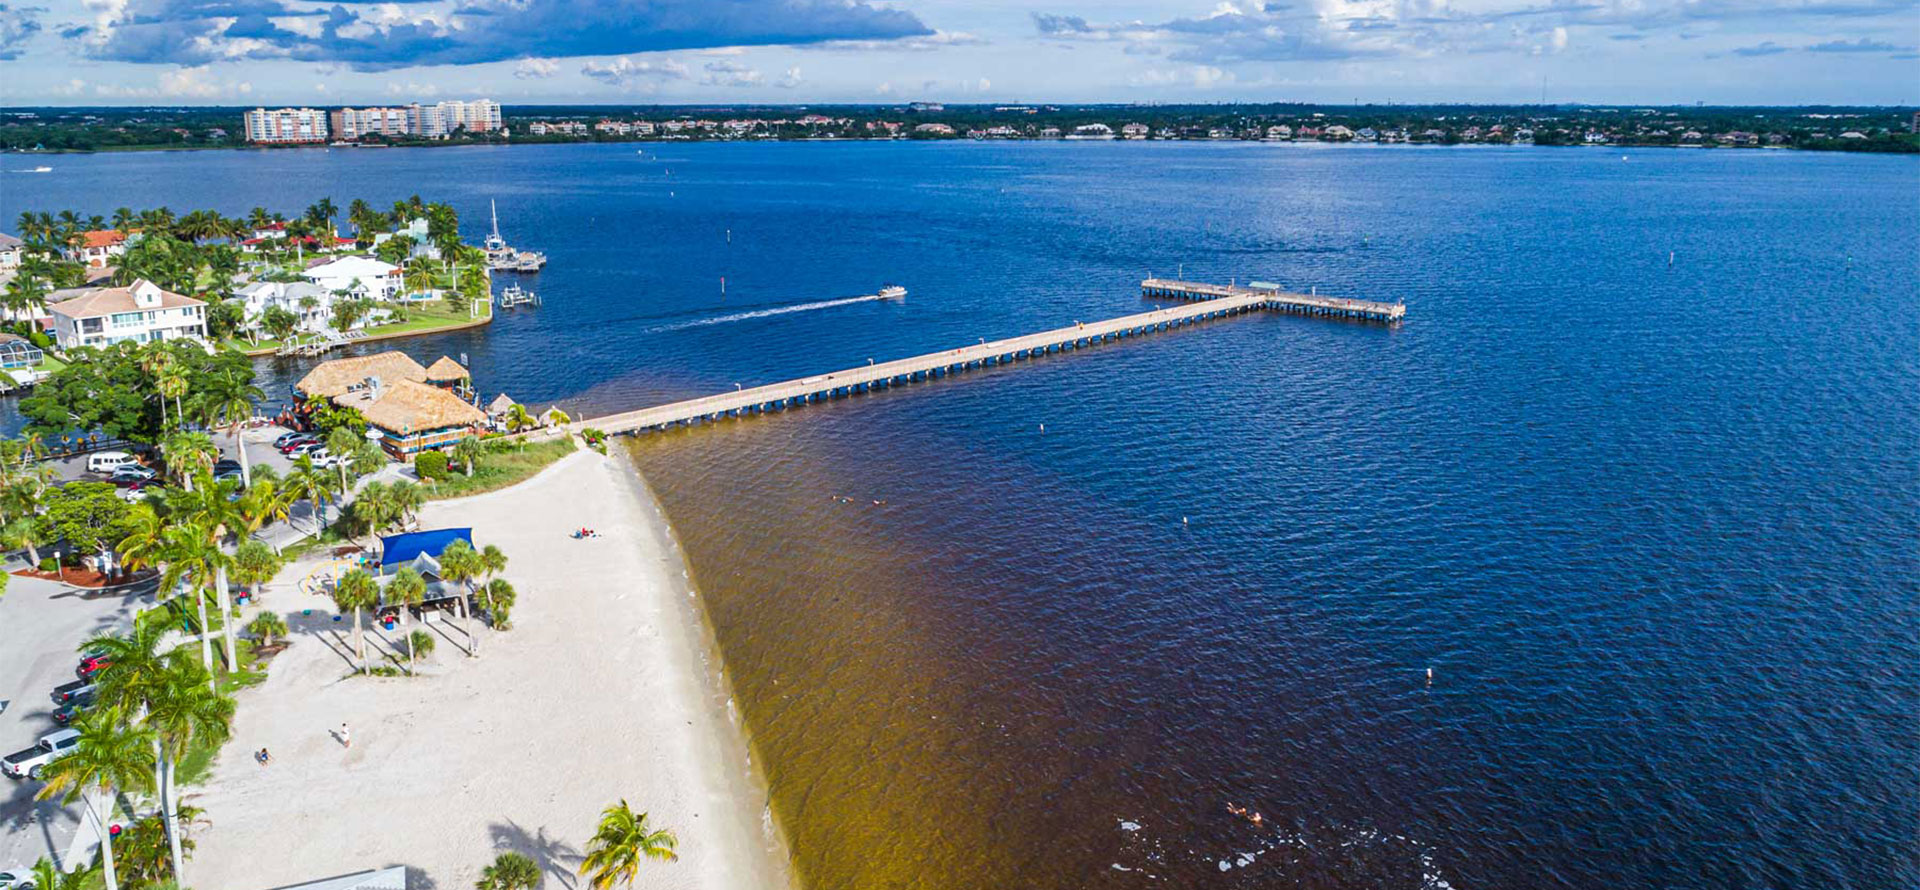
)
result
[(603, 690), (394, 335)]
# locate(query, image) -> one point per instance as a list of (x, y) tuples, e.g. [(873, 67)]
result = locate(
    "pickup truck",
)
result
[(67, 692), (31, 762)]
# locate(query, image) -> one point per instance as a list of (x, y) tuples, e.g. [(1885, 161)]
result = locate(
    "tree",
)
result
[(224, 319), (356, 590), (622, 841), (107, 758), (213, 513), (47, 876), (498, 597), (230, 397), (186, 710), (407, 590), (468, 450), (517, 417), (189, 455), (87, 515), (313, 485), (461, 564), (254, 564), (266, 626), (509, 871), (349, 311), (279, 322), (343, 442)]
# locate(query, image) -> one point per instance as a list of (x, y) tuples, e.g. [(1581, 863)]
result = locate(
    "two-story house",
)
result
[(141, 312)]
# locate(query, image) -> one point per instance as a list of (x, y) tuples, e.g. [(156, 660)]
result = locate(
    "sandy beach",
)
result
[(601, 691)]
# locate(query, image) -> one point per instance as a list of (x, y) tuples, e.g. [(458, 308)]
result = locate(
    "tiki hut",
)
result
[(413, 417), (447, 374), (341, 375)]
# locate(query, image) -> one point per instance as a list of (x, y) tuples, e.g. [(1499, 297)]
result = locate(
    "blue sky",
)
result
[(276, 52)]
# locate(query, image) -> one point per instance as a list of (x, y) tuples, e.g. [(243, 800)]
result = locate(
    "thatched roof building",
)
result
[(500, 405), (446, 370), (405, 406), (332, 378)]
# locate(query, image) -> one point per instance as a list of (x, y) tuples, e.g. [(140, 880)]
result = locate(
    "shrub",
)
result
[(49, 564), (422, 642), (431, 465)]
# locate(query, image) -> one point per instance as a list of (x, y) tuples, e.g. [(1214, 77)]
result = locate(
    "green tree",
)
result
[(87, 515), (467, 451), (407, 590), (509, 871), (254, 564), (356, 590), (186, 711), (189, 455), (623, 841), (229, 399), (279, 322), (266, 626), (313, 485), (107, 759), (47, 876), (497, 597)]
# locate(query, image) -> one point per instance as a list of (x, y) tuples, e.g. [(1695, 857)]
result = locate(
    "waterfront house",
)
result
[(1135, 130), (1336, 132), (141, 312), (1279, 133), (1092, 131), (359, 276), (933, 129), (98, 247), (309, 302), (12, 251)]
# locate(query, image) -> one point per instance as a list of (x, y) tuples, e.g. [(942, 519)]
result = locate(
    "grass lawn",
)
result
[(499, 469), (49, 364), (426, 316)]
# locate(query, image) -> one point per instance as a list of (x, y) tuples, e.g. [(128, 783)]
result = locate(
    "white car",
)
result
[(327, 460), (30, 763), (16, 879)]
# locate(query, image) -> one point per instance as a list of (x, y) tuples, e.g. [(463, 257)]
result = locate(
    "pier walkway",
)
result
[(1208, 302)]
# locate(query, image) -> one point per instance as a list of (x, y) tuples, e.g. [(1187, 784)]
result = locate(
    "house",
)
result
[(359, 276), (1280, 133), (1092, 131), (141, 312), (412, 417), (1336, 132), (1134, 130), (309, 302), (934, 129), (98, 247), (333, 377), (12, 250)]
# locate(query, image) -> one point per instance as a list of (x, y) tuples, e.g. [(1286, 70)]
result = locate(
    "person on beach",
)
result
[(262, 756), (346, 736)]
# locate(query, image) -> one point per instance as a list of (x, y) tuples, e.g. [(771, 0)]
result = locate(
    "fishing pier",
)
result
[(1207, 302)]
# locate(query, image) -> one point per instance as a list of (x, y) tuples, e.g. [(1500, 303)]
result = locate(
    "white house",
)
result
[(292, 296), (1092, 131), (1134, 130), (141, 312), (97, 248), (358, 275), (423, 246), (12, 250)]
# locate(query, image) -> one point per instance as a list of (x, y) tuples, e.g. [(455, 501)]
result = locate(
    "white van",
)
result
[(105, 461)]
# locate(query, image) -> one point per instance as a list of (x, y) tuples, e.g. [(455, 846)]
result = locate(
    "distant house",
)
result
[(1091, 131), (1280, 133), (934, 129), (1134, 130), (1050, 133), (12, 250), (293, 296), (359, 276), (1853, 134), (141, 312), (98, 247), (1336, 132)]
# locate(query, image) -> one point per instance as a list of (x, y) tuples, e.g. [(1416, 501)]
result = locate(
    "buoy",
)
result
[(1429, 676)]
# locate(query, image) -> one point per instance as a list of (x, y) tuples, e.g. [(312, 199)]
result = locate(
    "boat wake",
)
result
[(765, 313)]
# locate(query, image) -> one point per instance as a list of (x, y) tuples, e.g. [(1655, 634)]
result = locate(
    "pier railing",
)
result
[(1207, 302)]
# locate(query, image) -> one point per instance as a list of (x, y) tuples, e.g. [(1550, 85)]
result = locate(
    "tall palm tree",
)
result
[(188, 709), (622, 842), (356, 590), (461, 564), (230, 399), (189, 556), (215, 514), (311, 484), (407, 590), (156, 361), (493, 561), (405, 499), (189, 455), (107, 758), (498, 597)]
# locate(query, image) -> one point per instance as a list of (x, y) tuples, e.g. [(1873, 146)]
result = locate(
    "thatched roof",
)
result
[(407, 406), (331, 378), (446, 370), (499, 405)]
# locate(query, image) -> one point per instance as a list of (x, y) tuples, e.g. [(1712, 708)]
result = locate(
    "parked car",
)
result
[(288, 438), (304, 446), (65, 714), (138, 489), (327, 460), (17, 879), (29, 764), (130, 473), (106, 461), (91, 665), (225, 464), (67, 692), (224, 475)]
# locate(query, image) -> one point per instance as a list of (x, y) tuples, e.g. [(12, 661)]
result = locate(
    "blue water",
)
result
[(1654, 525)]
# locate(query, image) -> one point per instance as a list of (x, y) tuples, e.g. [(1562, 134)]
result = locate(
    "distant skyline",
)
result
[(293, 52)]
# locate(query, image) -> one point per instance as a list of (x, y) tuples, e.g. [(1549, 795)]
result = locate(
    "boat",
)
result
[(514, 296), (892, 292), (495, 245), (529, 261)]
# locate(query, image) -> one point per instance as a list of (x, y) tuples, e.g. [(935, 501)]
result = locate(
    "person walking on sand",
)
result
[(346, 736)]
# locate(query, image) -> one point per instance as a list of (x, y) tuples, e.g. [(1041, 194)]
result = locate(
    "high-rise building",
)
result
[(286, 125), (424, 120), (356, 123), (478, 116)]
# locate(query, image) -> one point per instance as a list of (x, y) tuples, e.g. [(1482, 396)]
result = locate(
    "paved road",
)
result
[(41, 626)]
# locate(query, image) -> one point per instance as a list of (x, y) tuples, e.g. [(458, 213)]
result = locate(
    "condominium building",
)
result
[(286, 125), (445, 118), (357, 123)]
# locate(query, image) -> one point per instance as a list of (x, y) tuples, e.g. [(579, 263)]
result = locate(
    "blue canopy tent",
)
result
[(398, 550)]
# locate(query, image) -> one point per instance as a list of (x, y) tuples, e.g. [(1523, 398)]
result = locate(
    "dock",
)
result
[(1206, 302), (319, 346)]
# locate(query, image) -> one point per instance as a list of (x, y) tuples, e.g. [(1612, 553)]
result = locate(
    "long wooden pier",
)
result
[(1208, 302)]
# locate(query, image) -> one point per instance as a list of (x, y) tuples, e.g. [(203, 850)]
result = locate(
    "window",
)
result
[(121, 319)]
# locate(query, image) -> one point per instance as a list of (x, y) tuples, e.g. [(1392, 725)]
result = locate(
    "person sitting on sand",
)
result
[(263, 757)]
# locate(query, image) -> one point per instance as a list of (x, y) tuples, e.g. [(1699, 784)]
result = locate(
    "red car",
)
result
[(91, 665), (302, 446)]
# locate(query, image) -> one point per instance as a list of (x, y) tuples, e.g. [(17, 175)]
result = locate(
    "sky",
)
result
[(625, 52)]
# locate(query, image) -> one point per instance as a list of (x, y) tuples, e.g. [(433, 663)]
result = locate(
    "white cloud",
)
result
[(180, 83), (728, 73), (536, 69), (423, 90), (628, 71), (790, 79), (1195, 76)]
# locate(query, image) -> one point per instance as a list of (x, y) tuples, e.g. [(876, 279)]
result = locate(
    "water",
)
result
[(1653, 527)]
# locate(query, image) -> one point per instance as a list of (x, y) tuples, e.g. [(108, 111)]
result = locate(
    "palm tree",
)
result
[(157, 362), (191, 556), (254, 564), (621, 843), (493, 561), (405, 500), (356, 590), (372, 509), (342, 443), (186, 710), (460, 563), (468, 450), (231, 398), (266, 500), (518, 418), (407, 590), (419, 277), (313, 485), (509, 871), (215, 514), (266, 626), (498, 597), (107, 758)]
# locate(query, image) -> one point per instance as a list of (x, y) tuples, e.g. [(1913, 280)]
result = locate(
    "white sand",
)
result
[(601, 691)]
